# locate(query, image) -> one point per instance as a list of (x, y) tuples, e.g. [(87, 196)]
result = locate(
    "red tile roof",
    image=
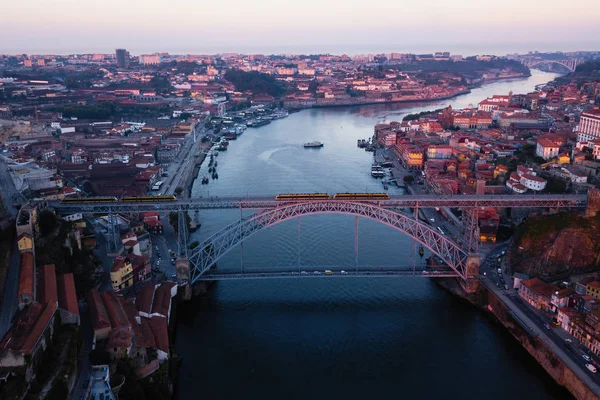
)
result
[(26, 277), (160, 333), (146, 337), (143, 301), (31, 323), (119, 338), (47, 285), (98, 312), (116, 314), (540, 287), (162, 299), (67, 298)]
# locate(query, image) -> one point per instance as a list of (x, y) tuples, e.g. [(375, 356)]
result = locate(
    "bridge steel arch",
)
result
[(569, 64), (212, 249)]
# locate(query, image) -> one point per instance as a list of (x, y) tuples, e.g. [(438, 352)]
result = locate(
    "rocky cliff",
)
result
[(556, 245)]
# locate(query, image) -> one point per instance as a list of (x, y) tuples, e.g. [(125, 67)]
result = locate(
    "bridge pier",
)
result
[(593, 203), (471, 283)]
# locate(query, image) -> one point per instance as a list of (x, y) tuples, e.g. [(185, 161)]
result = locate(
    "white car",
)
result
[(303, 273), (343, 272), (317, 272), (591, 368), (586, 357)]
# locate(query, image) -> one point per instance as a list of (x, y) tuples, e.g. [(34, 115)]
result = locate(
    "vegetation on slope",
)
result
[(254, 81)]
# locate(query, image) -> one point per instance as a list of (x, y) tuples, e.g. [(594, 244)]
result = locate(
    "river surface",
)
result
[(352, 338)]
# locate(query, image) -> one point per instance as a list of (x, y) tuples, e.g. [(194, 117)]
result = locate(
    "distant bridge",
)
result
[(570, 63)]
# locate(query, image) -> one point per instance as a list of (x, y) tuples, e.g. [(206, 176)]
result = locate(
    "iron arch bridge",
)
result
[(205, 255), (570, 64)]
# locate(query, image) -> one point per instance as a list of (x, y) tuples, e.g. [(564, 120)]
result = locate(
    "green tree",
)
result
[(178, 190), (47, 222), (174, 220), (256, 82), (99, 357)]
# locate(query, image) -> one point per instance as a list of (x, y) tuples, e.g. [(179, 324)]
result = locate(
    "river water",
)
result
[(351, 338)]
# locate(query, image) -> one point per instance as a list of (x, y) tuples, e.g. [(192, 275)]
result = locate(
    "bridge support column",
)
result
[(115, 247), (471, 229), (182, 268), (593, 203), (471, 283)]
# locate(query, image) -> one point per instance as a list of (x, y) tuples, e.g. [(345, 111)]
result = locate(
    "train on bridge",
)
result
[(327, 196), (279, 197)]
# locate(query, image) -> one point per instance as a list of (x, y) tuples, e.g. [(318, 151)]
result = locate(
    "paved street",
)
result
[(102, 251), (9, 302), (183, 166), (9, 192), (85, 368), (536, 323), (166, 243)]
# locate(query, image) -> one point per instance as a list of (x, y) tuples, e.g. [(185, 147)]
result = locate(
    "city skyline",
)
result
[(467, 28)]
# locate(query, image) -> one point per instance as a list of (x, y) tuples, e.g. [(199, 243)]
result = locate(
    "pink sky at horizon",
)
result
[(63, 26)]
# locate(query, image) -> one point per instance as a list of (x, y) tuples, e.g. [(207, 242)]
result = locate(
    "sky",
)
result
[(286, 26)]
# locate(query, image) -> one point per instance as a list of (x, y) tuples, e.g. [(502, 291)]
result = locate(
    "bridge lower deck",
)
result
[(217, 276)]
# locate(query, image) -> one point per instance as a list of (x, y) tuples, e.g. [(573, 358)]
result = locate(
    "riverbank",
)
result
[(295, 106), (188, 182), (540, 348), (529, 337)]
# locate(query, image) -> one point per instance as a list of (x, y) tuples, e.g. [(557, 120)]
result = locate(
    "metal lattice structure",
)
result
[(394, 202), (570, 63), (471, 230), (212, 249)]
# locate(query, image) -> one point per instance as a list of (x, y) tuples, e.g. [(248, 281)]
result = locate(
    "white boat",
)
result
[(277, 114), (313, 144)]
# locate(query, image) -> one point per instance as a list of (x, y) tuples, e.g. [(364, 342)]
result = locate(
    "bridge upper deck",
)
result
[(263, 202)]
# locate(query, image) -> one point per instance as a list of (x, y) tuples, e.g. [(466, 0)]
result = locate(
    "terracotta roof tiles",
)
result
[(47, 285), (67, 297)]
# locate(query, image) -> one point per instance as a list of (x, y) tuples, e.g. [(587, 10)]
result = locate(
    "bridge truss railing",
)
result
[(249, 203), (212, 249)]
